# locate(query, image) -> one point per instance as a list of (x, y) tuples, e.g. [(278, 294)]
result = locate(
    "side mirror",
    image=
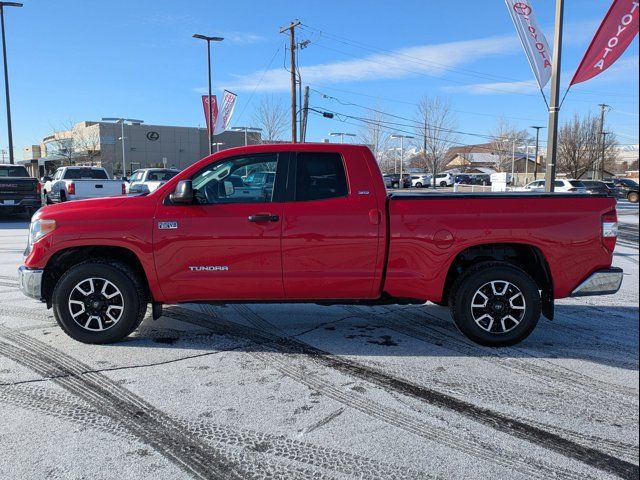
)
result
[(183, 194), (229, 189)]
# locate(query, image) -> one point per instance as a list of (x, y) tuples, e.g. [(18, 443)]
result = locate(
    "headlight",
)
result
[(39, 228)]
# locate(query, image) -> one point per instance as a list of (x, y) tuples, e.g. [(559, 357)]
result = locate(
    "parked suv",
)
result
[(392, 180), (597, 187), (560, 186), (420, 180), (625, 188), (445, 179)]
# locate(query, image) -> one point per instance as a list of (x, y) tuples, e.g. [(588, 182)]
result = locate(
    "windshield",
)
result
[(13, 171), (576, 183)]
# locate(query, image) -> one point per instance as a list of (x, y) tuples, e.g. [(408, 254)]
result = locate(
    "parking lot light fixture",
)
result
[(245, 130), (6, 75), (402, 138), (122, 138), (208, 39), (341, 135)]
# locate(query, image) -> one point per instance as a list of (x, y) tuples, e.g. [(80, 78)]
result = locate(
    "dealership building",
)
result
[(103, 144)]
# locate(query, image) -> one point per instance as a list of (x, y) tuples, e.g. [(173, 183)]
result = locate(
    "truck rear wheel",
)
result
[(495, 304), (99, 301)]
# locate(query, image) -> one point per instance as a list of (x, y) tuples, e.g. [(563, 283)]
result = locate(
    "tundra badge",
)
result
[(167, 225)]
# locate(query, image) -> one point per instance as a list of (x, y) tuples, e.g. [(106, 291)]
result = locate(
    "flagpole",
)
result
[(554, 107)]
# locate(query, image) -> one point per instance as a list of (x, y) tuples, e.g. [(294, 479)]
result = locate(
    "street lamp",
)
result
[(535, 165), (341, 135), (245, 130), (209, 113), (122, 137), (6, 75), (401, 137), (217, 144)]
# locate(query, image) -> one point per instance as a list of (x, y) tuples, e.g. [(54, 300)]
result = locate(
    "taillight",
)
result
[(71, 188), (124, 189), (38, 188), (610, 230)]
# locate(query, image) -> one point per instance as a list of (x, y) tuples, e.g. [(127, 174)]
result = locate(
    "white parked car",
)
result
[(420, 180), (560, 186), (146, 180), (445, 179), (79, 183)]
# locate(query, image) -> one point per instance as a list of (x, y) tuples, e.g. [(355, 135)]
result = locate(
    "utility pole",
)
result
[(292, 46), (209, 112), (305, 115), (535, 158), (6, 75), (602, 136), (554, 106), (604, 147)]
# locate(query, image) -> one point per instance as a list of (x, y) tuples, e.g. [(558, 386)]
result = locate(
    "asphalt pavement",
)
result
[(304, 391)]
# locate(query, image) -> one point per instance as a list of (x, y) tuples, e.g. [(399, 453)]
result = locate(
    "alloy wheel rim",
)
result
[(498, 307), (96, 304)]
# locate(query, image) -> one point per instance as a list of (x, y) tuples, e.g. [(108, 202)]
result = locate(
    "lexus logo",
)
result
[(153, 136)]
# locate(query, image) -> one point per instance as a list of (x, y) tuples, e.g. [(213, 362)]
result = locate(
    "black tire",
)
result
[(419, 185), (47, 200), (476, 278), (443, 184), (63, 197), (633, 197), (133, 298)]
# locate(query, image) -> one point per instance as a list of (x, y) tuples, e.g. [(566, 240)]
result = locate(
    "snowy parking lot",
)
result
[(305, 391)]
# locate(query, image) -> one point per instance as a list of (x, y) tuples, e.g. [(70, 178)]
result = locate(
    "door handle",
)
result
[(263, 217)]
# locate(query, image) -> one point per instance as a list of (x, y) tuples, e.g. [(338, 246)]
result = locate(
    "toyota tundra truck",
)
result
[(326, 231)]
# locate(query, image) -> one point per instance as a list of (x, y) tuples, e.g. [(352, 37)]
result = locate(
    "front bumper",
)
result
[(602, 282), (30, 281)]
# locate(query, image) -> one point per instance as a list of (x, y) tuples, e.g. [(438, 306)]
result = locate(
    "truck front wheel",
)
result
[(99, 301), (495, 304)]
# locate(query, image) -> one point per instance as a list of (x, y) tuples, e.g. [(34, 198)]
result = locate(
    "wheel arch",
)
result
[(522, 255), (63, 260)]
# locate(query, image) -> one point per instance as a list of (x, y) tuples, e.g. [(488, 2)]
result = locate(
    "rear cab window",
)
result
[(11, 171), (85, 173), (320, 175)]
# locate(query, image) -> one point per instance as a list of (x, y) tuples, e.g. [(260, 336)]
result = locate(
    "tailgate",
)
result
[(97, 188), (17, 188)]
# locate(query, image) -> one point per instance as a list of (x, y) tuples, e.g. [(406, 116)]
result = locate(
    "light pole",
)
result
[(209, 113), (122, 138), (604, 146), (245, 130), (535, 164), (6, 75), (401, 137), (341, 135)]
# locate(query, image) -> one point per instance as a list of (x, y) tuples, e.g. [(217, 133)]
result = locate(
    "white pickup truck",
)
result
[(147, 180), (79, 183)]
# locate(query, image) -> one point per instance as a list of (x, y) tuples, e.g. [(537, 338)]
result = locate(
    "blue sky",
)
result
[(82, 60)]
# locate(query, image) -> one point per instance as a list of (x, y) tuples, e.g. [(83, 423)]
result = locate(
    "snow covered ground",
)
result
[(291, 391)]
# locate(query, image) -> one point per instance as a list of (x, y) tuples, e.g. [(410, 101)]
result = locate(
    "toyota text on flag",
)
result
[(533, 40), (617, 30)]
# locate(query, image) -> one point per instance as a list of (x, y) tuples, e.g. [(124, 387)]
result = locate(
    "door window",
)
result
[(234, 180), (320, 176)]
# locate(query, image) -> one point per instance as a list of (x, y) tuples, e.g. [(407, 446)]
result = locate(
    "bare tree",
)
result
[(580, 146), (504, 138), (435, 130), (86, 143), (271, 117), (376, 137)]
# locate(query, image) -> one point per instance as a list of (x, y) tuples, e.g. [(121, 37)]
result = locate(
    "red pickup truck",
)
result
[(324, 230)]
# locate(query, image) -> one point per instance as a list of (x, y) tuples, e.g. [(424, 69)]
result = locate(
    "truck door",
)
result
[(226, 246), (330, 234)]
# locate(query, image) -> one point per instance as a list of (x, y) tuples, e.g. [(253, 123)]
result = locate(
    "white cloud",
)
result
[(432, 59), (495, 88)]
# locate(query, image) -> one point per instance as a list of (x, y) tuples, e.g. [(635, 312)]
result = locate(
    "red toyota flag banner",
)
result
[(214, 110), (617, 30)]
